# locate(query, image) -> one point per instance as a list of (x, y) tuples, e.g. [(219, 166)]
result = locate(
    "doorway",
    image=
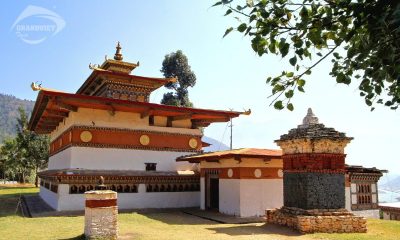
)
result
[(212, 189)]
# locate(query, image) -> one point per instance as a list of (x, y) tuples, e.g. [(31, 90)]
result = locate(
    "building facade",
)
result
[(108, 128), (241, 182)]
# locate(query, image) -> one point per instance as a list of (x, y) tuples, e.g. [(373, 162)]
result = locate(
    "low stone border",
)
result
[(310, 221)]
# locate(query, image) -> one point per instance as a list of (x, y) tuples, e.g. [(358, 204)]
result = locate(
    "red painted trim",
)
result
[(101, 203), (314, 162)]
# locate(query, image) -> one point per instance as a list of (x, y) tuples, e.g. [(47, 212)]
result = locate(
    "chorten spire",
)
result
[(309, 119), (118, 54)]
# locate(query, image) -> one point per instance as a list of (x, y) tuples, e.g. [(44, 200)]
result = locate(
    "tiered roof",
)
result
[(52, 106)]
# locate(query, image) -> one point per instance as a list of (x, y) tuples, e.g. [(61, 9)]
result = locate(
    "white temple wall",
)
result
[(49, 197), (371, 213), (347, 195), (118, 159), (123, 120), (256, 195), (60, 160), (202, 193), (229, 196), (63, 201)]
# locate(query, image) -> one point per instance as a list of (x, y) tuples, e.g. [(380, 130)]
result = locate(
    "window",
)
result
[(151, 166), (364, 195)]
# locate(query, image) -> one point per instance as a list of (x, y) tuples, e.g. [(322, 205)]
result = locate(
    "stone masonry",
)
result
[(101, 215), (317, 220), (314, 180)]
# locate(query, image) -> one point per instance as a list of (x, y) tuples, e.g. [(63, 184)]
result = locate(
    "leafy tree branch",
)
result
[(302, 30)]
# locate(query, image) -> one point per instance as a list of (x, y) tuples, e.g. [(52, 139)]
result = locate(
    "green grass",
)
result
[(159, 225)]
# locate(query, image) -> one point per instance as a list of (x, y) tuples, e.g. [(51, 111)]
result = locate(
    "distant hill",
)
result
[(215, 145), (391, 183), (9, 112)]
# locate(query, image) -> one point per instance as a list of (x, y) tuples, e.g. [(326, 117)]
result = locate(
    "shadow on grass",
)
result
[(80, 237), (175, 217), (256, 230)]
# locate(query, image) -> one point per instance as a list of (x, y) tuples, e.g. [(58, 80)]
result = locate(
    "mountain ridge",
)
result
[(9, 105)]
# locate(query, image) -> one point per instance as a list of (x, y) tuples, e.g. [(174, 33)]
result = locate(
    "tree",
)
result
[(26, 153), (362, 38), (176, 65)]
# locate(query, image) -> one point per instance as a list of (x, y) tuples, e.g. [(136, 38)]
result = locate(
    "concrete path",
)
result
[(36, 207)]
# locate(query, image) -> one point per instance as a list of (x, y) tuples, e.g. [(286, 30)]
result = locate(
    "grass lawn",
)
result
[(168, 225)]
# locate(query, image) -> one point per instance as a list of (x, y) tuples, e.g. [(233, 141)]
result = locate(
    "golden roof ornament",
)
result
[(118, 54)]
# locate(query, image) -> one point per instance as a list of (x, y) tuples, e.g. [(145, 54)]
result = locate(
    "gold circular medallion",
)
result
[(280, 173), (144, 140), (230, 172), (86, 136), (193, 143), (257, 173)]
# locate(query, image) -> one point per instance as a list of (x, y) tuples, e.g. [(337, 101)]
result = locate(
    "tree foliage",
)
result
[(176, 65), (9, 113), (362, 38), (25, 154)]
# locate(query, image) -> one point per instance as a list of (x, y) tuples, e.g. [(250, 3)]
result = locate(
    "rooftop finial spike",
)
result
[(309, 119), (118, 54)]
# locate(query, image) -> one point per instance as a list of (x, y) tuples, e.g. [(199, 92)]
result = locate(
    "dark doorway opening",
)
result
[(214, 193), (212, 189)]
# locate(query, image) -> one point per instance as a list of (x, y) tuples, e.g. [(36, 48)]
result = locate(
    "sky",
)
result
[(229, 74)]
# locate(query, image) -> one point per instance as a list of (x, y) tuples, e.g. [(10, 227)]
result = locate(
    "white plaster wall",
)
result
[(348, 198), (158, 200), (142, 199), (229, 196), (353, 188), (373, 213), (49, 197), (61, 160), (374, 198), (202, 193), (256, 195), (118, 159), (373, 187)]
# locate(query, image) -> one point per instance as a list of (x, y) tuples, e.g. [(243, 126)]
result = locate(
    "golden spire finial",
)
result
[(118, 54)]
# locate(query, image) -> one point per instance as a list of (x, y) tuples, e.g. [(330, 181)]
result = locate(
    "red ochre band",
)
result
[(101, 203)]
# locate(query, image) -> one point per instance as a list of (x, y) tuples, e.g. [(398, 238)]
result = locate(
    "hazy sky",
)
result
[(229, 74)]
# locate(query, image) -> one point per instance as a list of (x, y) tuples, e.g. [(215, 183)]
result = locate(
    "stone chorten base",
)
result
[(317, 220)]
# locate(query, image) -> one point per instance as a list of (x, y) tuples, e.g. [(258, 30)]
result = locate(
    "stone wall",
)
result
[(313, 190), (317, 220)]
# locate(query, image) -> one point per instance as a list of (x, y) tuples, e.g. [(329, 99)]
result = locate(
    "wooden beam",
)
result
[(49, 123), (52, 118), (63, 105), (111, 109), (196, 124), (146, 113), (169, 121), (55, 113), (211, 120)]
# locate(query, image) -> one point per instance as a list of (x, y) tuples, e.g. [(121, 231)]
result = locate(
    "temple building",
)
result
[(151, 154), (108, 128)]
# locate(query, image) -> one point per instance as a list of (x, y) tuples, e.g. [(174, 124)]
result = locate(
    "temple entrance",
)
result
[(214, 193), (212, 190)]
